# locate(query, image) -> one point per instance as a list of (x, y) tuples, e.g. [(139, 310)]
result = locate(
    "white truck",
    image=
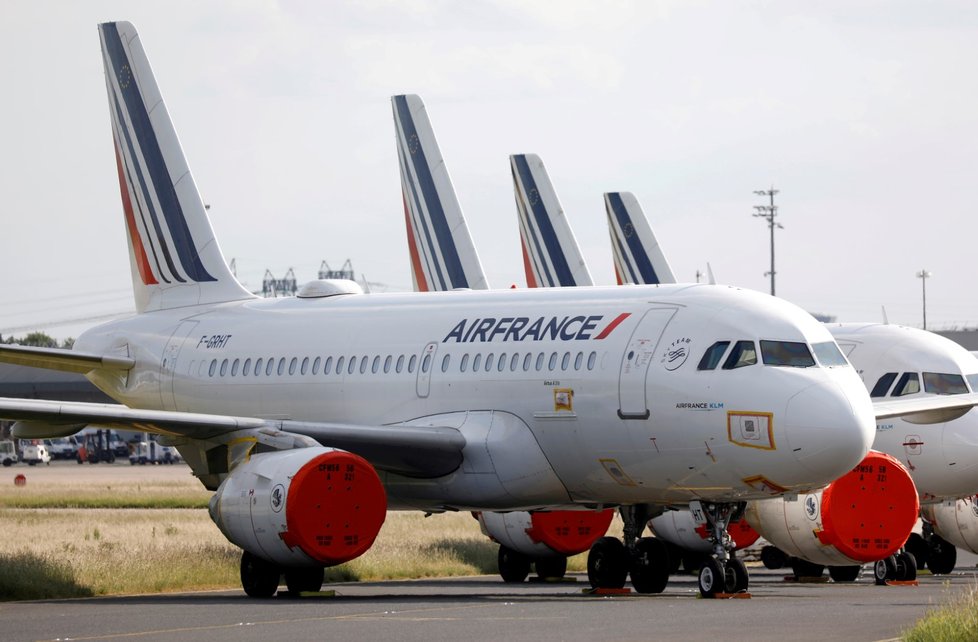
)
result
[(35, 453), (8, 453)]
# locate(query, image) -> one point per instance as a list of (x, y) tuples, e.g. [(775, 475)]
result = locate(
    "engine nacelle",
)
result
[(957, 522), (678, 527), (546, 533), (302, 507), (864, 516)]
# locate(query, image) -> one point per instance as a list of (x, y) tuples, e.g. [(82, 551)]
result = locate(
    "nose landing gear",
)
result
[(722, 573)]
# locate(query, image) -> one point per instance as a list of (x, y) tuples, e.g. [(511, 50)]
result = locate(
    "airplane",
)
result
[(925, 363), (310, 417)]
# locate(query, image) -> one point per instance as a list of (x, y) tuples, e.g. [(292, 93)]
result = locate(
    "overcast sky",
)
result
[(864, 115)]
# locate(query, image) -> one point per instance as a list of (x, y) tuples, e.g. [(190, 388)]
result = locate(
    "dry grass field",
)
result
[(111, 529)]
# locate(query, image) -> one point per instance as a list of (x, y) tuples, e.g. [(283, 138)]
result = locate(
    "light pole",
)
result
[(769, 212), (923, 275)]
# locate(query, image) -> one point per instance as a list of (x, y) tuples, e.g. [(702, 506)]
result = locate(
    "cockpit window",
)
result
[(883, 385), (972, 381), (908, 384), (786, 353), (711, 358), (828, 354), (940, 383), (743, 354)]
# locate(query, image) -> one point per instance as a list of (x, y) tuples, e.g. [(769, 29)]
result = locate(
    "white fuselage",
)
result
[(942, 458), (596, 391)]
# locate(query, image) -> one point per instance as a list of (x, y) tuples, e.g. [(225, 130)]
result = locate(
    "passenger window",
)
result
[(246, 368), (489, 362), (444, 363), (212, 369), (828, 354), (476, 362), (514, 362), (234, 368), (539, 364), (269, 366), (553, 361), (908, 384), (375, 366), (793, 354), (339, 365), (224, 367), (578, 361), (258, 365), (315, 365), (591, 359), (363, 364), (743, 354), (412, 362), (351, 365), (387, 364), (565, 361), (328, 366), (940, 383), (292, 365), (400, 364), (305, 365), (883, 385), (281, 366), (711, 358), (502, 362), (465, 362), (426, 363), (526, 361)]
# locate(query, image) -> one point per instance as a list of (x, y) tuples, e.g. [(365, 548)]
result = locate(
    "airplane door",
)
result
[(635, 363), (425, 368), (169, 363)]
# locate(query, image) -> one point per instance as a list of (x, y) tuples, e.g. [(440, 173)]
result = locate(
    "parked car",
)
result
[(150, 452), (35, 453), (63, 448), (8, 453)]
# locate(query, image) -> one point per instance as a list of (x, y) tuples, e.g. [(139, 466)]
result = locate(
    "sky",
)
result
[(863, 115)]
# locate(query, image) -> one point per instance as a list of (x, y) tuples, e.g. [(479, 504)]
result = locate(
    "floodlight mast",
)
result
[(769, 213), (923, 275)]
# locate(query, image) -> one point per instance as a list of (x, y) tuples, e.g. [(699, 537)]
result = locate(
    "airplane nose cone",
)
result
[(829, 430)]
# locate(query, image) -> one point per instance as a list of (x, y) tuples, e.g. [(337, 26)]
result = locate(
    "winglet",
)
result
[(638, 256), (175, 258), (551, 256), (443, 256)]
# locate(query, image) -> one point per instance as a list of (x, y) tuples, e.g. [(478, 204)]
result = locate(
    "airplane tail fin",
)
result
[(174, 256), (443, 256), (638, 256), (551, 255)]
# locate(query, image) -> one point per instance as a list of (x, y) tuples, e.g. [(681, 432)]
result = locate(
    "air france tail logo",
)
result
[(577, 328)]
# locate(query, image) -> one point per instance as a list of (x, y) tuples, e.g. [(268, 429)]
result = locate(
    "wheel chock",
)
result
[(902, 583), (604, 592), (743, 595)]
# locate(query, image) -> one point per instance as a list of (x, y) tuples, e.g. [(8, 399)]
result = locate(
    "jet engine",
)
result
[(546, 533), (864, 516), (678, 527), (301, 508), (956, 522)]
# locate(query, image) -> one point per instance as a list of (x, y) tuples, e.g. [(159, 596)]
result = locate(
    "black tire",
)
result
[(7, 462), (650, 565), (513, 566), (773, 558), (884, 569), (259, 578), (711, 578), (844, 573), (804, 568), (551, 567), (304, 580), (906, 567), (941, 555), (607, 563), (741, 578), (917, 546)]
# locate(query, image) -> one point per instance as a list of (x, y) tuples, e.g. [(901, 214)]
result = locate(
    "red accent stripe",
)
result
[(617, 273), (530, 281), (142, 263), (413, 250), (614, 324)]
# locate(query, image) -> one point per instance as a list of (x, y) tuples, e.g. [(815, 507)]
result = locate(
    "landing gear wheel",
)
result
[(713, 579), (803, 568), (513, 566), (259, 578), (906, 567), (551, 567), (917, 546), (773, 558), (650, 565), (304, 580), (941, 556), (607, 563), (884, 569), (740, 574), (844, 573)]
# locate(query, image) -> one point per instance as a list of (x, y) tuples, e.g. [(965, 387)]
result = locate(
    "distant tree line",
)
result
[(38, 340)]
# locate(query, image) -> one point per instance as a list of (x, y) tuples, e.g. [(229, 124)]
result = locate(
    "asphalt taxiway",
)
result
[(486, 608)]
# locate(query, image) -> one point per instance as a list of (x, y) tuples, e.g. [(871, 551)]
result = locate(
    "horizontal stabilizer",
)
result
[(932, 409), (60, 359)]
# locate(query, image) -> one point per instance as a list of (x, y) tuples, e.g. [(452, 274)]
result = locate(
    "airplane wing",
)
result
[(418, 451), (932, 409), (60, 359)]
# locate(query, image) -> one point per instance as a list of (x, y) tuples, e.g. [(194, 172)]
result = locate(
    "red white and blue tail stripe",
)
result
[(638, 256), (443, 256), (551, 256), (175, 258)]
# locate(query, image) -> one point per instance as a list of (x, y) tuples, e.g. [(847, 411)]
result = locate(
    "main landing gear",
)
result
[(646, 559), (932, 550), (901, 567), (515, 566), (723, 572), (260, 578)]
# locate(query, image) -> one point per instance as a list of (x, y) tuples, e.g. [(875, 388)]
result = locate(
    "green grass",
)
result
[(954, 622)]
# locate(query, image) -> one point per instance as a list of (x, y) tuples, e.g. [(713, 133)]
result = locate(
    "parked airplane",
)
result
[(311, 416), (925, 364)]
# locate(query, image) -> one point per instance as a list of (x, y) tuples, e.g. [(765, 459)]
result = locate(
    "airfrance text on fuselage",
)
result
[(577, 328)]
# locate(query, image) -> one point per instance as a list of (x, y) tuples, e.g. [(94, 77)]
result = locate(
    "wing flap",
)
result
[(63, 360)]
